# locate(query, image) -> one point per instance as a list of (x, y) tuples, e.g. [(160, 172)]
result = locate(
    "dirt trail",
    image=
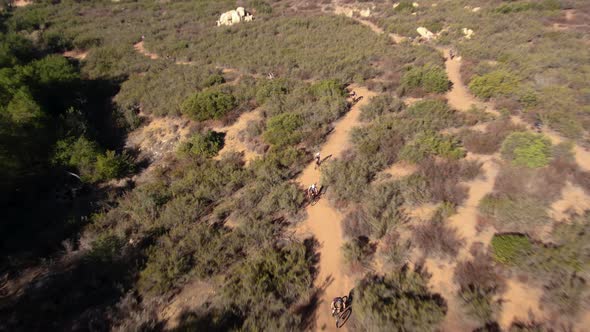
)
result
[(191, 297), (459, 97), (141, 49), (232, 143), (520, 299), (323, 221), (394, 37), (76, 54), (22, 3), (573, 200), (465, 220)]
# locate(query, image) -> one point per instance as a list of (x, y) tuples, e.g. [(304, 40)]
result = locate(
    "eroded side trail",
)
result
[(324, 222)]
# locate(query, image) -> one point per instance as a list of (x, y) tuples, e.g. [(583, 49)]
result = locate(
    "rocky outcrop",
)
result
[(425, 33), (468, 33), (235, 16)]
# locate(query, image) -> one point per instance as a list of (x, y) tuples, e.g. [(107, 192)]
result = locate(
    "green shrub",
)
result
[(348, 179), (79, 153), (510, 249), (430, 77), (397, 302), (111, 166), (404, 6), (527, 149), (203, 144), (283, 129), (214, 79), (508, 8), (430, 114), (328, 88), (494, 84), (358, 252), (380, 105), (106, 248), (209, 104), (428, 144), (272, 88)]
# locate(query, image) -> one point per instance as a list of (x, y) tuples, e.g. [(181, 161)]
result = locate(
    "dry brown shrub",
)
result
[(543, 184), (443, 178), (436, 238), (355, 224), (490, 141), (479, 272)]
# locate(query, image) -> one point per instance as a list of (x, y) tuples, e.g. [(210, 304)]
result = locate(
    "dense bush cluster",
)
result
[(381, 105), (430, 78), (202, 144), (210, 104), (526, 149), (397, 302)]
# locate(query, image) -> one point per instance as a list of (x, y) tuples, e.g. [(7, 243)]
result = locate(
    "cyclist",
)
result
[(338, 305), (312, 191)]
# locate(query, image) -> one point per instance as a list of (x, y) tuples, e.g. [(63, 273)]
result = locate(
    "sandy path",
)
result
[(323, 221), (141, 49), (573, 200), (459, 97), (232, 143), (465, 220), (76, 54), (21, 3), (520, 299)]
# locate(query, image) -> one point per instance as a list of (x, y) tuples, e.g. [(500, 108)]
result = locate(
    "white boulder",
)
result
[(425, 33), (365, 12), (234, 16), (468, 33)]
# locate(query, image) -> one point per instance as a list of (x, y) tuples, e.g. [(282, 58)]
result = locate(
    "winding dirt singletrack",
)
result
[(324, 222)]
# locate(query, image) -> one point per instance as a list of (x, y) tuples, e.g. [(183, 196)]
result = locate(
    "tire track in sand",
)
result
[(324, 222)]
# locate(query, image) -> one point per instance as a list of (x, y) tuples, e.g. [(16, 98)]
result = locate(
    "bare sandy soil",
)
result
[(324, 222), (574, 200), (141, 49), (76, 54), (401, 169), (518, 301), (232, 143), (191, 297), (157, 139), (21, 3)]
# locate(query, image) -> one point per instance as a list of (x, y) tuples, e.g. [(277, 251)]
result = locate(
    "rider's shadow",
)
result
[(345, 315)]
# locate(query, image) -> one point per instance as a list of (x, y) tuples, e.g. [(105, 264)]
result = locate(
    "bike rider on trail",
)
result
[(313, 190), (338, 305)]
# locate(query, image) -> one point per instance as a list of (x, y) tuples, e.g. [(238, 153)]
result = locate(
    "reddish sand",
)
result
[(323, 221)]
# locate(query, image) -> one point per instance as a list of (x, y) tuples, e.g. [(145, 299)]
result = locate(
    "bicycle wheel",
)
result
[(343, 317)]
